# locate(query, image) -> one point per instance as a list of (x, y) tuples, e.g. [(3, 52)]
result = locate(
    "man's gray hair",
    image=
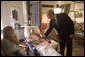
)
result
[(50, 11)]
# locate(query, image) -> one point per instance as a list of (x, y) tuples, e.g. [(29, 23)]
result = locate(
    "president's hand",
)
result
[(43, 36), (71, 35)]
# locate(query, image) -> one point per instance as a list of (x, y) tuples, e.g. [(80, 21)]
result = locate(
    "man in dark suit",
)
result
[(65, 28)]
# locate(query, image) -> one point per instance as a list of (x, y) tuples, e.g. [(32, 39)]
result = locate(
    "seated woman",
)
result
[(9, 41)]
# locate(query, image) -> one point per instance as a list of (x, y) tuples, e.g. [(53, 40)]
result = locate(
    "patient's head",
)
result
[(31, 31)]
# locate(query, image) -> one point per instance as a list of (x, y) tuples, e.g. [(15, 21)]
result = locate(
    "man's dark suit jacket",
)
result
[(63, 24)]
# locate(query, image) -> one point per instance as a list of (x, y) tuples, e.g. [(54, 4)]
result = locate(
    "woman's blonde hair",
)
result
[(6, 30)]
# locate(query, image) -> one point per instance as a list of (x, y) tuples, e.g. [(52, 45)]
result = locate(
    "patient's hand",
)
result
[(28, 40)]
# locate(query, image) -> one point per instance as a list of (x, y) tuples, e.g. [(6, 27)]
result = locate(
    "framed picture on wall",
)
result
[(72, 15), (14, 14)]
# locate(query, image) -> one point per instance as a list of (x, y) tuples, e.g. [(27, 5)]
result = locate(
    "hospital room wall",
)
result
[(75, 6), (6, 7)]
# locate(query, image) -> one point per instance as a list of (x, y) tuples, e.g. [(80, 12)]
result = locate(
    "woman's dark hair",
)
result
[(6, 30)]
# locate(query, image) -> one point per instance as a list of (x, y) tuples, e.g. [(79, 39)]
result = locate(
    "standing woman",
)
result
[(9, 41)]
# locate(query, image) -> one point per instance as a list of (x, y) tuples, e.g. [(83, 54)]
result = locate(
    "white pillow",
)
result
[(27, 28)]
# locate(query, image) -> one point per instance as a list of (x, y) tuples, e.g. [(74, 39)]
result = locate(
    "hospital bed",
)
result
[(39, 50)]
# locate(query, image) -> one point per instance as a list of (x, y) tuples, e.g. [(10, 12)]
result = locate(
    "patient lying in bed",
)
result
[(34, 38), (45, 48)]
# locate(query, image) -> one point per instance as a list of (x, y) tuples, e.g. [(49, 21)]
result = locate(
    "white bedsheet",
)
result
[(45, 49)]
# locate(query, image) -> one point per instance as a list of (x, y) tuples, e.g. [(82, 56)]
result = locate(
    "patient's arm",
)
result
[(30, 39), (39, 35), (22, 45)]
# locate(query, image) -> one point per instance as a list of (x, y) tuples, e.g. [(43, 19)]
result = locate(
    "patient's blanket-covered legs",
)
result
[(46, 50)]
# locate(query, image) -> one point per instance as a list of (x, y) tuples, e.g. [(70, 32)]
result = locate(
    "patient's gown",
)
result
[(34, 40)]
